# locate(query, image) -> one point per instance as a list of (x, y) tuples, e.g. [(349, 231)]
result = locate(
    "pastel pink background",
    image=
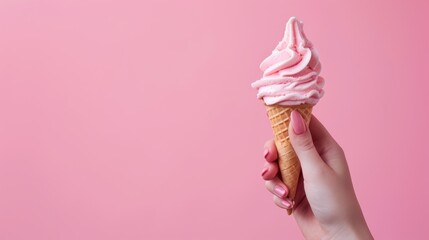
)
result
[(136, 120)]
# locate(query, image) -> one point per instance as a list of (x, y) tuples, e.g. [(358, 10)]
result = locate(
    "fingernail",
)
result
[(265, 170), (298, 124), (286, 203), (279, 190), (266, 151)]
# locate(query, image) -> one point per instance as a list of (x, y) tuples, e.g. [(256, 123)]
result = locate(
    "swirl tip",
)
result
[(292, 20)]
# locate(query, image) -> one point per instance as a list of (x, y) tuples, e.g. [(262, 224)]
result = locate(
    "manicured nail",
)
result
[(286, 203), (266, 152), (279, 190), (265, 170), (298, 124)]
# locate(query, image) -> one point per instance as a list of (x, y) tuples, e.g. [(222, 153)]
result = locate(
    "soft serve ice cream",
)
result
[(291, 72)]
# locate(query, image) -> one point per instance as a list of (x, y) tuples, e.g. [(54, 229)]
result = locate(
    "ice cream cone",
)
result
[(290, 81), (289, 165)]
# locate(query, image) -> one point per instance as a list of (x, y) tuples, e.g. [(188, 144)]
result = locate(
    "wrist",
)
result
[(351, 232)]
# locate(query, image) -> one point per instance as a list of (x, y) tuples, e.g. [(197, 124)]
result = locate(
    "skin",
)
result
[(326, 206)]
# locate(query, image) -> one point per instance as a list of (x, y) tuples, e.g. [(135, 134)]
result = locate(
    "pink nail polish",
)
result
[(298, 124), (264, 171), (279, 191), (286, 203), (266, 152)]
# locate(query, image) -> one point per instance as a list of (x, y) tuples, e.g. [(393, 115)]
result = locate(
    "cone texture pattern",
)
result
[(289, 165)]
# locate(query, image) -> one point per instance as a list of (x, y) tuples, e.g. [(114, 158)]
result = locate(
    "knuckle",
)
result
[(306, 144), (277, 202), (268, 143), (337, 149), (268, 185), (275, 199), (340, 150)]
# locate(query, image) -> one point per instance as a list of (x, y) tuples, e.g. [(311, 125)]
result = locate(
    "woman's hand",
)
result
[(325, 206)]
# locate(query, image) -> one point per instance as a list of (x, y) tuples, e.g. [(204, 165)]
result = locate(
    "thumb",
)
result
[(313, 166)]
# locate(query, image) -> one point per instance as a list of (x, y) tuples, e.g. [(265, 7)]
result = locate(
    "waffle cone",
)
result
[(289, 165)]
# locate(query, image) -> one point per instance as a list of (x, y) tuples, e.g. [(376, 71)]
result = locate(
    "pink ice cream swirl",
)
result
[(291, 72)]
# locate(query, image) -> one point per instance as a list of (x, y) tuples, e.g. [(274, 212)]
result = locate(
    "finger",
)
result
[(277, 187), (270, 170), (283, 203), (319, 132), (313, 167), (326, 146), (270, 152), (324, 142)]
